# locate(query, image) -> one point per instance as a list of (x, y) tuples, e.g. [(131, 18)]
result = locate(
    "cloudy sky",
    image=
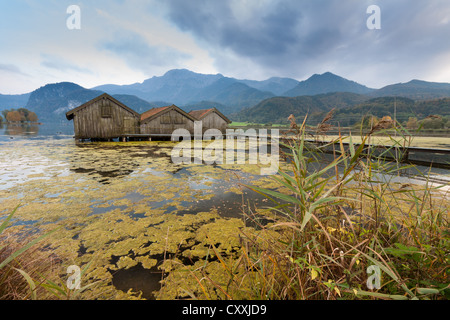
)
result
[(128, 41)]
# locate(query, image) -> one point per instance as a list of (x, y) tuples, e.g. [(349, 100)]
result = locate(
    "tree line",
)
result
[(413, 123), (20, 115)]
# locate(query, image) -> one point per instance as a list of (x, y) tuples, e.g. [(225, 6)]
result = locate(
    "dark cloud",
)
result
[(300, 37), (266, 32)]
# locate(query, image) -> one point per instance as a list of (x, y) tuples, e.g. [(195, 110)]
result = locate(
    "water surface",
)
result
[(126, 207)]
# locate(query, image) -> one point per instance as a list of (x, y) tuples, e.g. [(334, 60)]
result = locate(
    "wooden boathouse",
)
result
[(104, 118), (211, 119), (165, 120)]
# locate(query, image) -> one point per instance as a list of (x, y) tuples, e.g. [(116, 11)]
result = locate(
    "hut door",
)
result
[(128, 125)]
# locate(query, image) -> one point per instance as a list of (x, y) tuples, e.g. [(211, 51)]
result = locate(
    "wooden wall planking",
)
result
[(89, 122)]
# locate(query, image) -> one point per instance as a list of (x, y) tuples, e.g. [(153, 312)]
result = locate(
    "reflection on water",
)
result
[(47, 130), (23, 161), (140, 279), (26, 130)]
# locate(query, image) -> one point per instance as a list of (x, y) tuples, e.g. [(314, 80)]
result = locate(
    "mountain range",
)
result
[(349, 109), (52, 101), (239, 99), (181, 87), (326, 83)]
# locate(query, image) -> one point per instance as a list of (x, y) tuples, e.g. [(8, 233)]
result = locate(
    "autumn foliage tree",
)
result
[(14, 116), (32, 116), (20, 115), (412, 123)]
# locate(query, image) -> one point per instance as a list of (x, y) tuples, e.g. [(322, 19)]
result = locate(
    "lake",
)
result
[(126, 208)]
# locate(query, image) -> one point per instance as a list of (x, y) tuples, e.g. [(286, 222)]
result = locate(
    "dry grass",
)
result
[(38, 263)]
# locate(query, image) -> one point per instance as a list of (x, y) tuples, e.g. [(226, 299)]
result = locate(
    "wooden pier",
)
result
[(435, 157)]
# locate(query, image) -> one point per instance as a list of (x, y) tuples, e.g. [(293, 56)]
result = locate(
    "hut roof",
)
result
[(70, 114), (200, 114), (155, 112), (152, 112)]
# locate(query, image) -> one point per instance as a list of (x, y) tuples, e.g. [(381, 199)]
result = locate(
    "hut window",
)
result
[(166, 119), (179, 119), (106, 111)]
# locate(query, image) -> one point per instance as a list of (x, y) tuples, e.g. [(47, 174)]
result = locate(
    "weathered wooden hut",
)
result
[(104, 118), (164, 120), (211, 119)]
